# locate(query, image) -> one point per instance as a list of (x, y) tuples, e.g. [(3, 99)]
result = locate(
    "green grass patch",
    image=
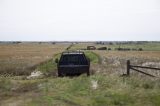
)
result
[(78, 91), (155, 99), (111, 91), (144, 46), (94, 58), (49, 67)]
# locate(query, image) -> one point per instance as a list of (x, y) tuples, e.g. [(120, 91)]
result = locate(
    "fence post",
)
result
[(128, 67)]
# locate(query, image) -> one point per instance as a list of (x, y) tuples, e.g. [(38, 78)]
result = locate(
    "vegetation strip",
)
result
[(50, 67), (79, 91)]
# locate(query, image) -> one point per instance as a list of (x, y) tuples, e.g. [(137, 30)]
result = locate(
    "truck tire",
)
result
[(88, 74), (59, 74)]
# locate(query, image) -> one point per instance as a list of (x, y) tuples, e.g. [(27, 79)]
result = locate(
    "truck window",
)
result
[(73, 60)]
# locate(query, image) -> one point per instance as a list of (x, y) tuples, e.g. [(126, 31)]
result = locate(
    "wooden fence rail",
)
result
[(129, 67)]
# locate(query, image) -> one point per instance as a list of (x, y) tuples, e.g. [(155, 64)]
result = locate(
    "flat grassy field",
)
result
[(19, 59), (105, 86), (155, 46)]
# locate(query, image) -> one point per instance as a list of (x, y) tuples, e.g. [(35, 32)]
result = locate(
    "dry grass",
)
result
[(114, 62), (18, 58), (152, 55)]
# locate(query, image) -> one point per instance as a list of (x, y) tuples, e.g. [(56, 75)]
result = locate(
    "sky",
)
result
[(79, 20)]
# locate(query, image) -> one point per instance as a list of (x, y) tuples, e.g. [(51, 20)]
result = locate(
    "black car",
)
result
[(73, 63)]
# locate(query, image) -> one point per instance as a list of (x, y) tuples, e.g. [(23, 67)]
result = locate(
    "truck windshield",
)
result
[(73, 60)]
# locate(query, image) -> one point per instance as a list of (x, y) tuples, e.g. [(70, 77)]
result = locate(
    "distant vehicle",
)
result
[(73, 63), (102, 48), (91, 48)]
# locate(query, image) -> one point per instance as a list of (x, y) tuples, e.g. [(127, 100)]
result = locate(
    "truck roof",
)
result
[(72, 52)]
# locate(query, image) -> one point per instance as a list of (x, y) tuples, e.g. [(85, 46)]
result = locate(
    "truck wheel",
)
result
[(88, 74), (59, 75)]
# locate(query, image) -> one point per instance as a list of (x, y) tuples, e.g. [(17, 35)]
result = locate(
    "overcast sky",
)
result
[(87, 20)]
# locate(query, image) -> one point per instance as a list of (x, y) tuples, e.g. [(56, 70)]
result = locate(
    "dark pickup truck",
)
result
[(73, 63)]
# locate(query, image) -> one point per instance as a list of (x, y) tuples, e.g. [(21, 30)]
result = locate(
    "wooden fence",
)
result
[(136, 68)]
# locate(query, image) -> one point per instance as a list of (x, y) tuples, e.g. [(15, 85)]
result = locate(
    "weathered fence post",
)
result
[(128, 67), (133, 67)]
